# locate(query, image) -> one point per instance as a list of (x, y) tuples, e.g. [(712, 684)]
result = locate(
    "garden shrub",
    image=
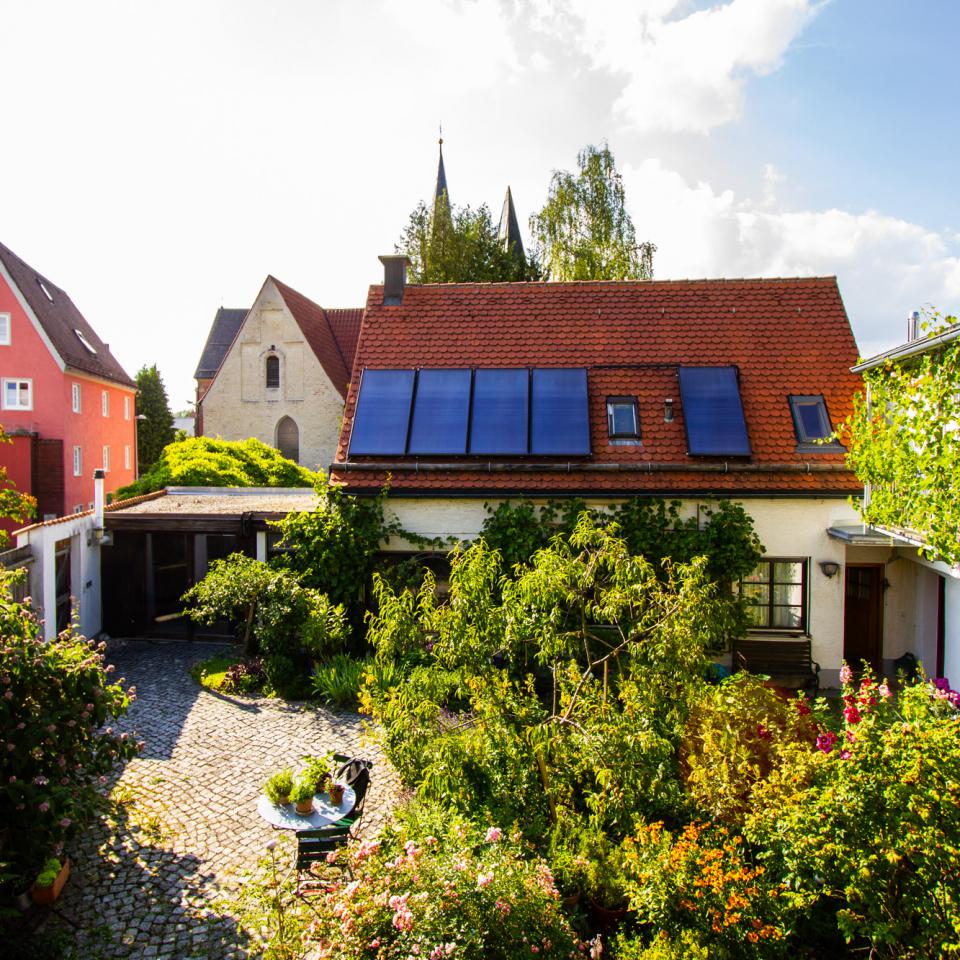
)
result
[(702, 879), (866, 824), (211, 462), (464, 891), (568, 686), (286, 623), (738, 732), (56, 699)]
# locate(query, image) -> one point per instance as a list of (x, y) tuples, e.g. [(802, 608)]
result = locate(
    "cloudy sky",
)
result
[(161, 159)]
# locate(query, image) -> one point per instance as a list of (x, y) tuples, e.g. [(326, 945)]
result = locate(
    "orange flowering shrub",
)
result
[(702, 879)]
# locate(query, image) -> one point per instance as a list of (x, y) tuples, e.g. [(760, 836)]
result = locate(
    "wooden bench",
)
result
[(788, 663)]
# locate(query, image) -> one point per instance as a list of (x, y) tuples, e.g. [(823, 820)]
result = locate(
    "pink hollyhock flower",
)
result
[(825, 741), (845, 754), (493, 834), (846, 674), (803, 708), (851, 737), (884, 690)]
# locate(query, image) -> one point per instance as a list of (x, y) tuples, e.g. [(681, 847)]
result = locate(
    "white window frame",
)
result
[(75, 397), (127, 459), (105, 402), (5, 329), (78, 461), (126, 408), (19, 381), (106, 458)]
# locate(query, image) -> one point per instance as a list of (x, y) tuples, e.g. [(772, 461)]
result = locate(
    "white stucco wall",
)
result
[(951, 640), (84, 572), (238, 404), (786, 527)]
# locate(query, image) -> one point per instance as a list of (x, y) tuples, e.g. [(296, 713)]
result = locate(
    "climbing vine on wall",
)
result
[(904, 441)]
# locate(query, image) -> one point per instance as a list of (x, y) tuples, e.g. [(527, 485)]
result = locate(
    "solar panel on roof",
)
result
[(712, 412), (383, 412), (440, 410), (499, 421), (559, 424)]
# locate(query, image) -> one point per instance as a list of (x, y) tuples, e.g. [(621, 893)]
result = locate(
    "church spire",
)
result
[(441, 196), (509, 232)]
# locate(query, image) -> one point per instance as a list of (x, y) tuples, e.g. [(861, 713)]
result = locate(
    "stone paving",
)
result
[(152, 884)]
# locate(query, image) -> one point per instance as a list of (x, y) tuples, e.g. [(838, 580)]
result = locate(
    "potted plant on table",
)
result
[(50, 881), (335, 791), (278, 787), (316, 770), (301, 793)]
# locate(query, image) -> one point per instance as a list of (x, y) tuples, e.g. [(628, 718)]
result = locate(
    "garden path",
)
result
[(155, 879)]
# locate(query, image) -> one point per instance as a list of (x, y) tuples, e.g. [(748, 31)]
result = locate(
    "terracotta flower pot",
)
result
[(336, 794), (305, 807), (47, 895)]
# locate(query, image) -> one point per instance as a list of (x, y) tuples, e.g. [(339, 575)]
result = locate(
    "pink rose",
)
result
[(493, 834)]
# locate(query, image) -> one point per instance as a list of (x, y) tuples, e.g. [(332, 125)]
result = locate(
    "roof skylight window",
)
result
[(712, 412), (45, 289), (812, 424), (85, 342)]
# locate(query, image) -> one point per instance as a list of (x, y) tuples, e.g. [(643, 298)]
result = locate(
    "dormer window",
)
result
[(812, 424), (272, 368), (623, 422)]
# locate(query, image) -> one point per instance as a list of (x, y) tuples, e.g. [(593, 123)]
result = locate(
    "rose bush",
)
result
[(467, 891), (866, 825), (55, 699)]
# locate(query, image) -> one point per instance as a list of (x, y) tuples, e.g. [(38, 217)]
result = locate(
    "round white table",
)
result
[(324, 812)]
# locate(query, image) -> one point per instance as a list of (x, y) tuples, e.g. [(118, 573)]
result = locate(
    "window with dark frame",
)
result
[(776, 594), (273, 372), (623, 422), (811, 423)]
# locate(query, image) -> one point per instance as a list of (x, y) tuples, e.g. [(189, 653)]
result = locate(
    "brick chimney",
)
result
[(394, 277)]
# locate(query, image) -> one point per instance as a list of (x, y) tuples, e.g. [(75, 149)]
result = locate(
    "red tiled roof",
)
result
[(785, 337), (61, 321), (333, 339)]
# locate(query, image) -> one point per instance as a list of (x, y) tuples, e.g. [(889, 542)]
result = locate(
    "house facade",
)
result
[(64, 399), (283, 378), (927, 598), (465, 395)]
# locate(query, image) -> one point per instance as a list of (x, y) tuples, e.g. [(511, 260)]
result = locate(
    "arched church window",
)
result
[(273, 372), (288, 439)]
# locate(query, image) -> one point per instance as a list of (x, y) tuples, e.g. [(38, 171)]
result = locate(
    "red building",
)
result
[(64, 400)]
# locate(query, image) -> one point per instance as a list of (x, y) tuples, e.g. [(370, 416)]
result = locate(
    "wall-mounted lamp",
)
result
[(668, 410), (829, 568)]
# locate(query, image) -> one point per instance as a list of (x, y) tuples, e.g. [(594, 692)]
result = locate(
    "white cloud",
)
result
[(681, 72), (886, 266)]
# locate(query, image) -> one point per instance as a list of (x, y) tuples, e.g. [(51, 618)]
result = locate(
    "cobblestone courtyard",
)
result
[(153, 882)]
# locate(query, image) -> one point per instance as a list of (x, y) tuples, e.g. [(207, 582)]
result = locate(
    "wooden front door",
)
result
[(863, 616)]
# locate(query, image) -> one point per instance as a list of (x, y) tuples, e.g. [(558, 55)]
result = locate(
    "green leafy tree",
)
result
[(904, 443), (459, 246), (584, 231), (155, 431), (17, 506), (206, 462)]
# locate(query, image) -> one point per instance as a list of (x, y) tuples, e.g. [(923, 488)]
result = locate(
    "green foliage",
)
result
[(903, 442), (278, 787), (338, 681), (583, 231), (303, 789), (459, 246), (651, 527), (56, 700), (439, 888), (155, 431), (333, 548), (599, 660), (867, 825), (737, 734), (48, 875), (206, 462), (316, 770), (16, 506), (702, 879), (686, 945), (284, 621)]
